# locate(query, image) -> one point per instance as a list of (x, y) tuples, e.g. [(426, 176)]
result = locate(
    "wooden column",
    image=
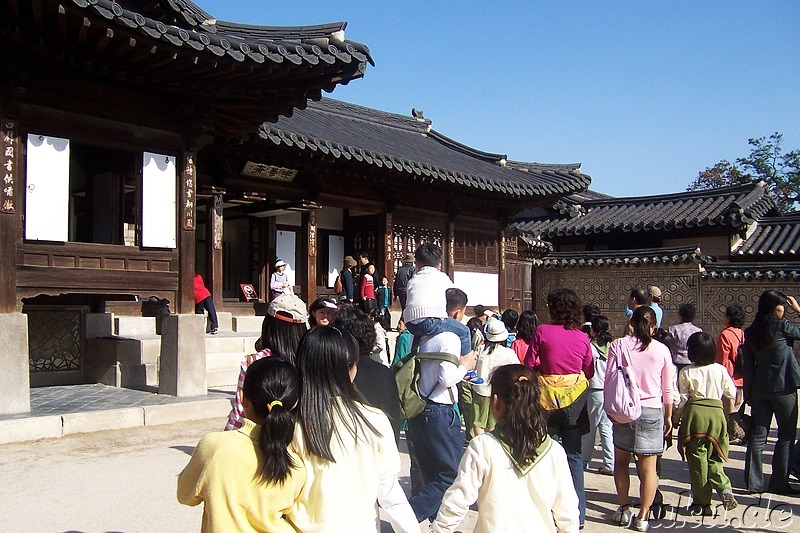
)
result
[(501, 270), (187, 211), (449, 258), (308, 256), (384, 263), (10, 192), (214, 247)]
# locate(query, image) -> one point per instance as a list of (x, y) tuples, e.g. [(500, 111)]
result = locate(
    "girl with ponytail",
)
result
[(518, 475), (248, 478)]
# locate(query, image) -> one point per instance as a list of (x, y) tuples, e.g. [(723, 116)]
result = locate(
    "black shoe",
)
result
[(788, 490), (700, 510)]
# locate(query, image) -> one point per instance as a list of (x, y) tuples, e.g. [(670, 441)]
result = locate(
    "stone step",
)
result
[(230, 342), (222, 369), (247, 324), (126, 326)]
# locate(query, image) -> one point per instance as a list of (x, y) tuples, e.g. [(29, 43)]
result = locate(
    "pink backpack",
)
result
[(621, 398)]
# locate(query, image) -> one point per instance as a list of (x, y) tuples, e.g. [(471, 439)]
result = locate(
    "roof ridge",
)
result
[(747, 187), (369, 114), (489, 157)]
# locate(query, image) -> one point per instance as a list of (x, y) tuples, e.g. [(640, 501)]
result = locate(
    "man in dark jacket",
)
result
[(404, 273)]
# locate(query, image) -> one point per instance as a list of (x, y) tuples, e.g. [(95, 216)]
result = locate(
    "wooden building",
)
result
[(145, 141), (712, 248), (108, 109)]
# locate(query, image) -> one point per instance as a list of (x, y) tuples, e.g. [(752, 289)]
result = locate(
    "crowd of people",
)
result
[(312, 438)]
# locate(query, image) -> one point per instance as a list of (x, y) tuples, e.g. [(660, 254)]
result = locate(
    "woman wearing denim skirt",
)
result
[(651, 365)]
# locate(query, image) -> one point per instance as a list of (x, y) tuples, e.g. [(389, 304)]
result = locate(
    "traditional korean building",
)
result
[(106, 109), (145, 141), (712, 248)]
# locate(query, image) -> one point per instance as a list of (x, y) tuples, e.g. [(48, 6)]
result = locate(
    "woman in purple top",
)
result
[(560, 352)]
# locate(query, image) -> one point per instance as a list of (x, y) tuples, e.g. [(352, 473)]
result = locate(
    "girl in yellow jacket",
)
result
[(247, 478)]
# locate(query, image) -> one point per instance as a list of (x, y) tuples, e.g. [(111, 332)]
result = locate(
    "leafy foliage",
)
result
[(767, 161)]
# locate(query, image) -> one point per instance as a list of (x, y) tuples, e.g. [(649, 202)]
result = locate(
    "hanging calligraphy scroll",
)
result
[(8, 160), (189, 187)]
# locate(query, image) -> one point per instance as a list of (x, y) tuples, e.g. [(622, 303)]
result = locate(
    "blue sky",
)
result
[(644, 94)]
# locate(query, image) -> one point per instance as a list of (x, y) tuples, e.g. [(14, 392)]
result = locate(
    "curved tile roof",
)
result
[(182, 23), (752, 271), (773, 238), (730, 206), (613, 258), (408, 145)]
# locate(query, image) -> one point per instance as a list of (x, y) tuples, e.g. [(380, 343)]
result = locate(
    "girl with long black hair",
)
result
[(771, 379), (348, 448), (247, 478)]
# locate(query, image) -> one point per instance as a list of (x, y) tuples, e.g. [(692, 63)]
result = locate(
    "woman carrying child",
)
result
[(347, 447), (703, 433), (248, 479), (518, 474), (493, 354), (651, 366)]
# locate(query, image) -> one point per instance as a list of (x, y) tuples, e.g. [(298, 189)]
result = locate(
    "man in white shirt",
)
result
[(435, 434)]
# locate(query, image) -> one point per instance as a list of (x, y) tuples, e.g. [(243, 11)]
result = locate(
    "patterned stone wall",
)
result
[(609, 288)]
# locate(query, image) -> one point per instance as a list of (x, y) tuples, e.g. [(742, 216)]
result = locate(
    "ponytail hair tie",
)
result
[(273, 404), (522, 378)]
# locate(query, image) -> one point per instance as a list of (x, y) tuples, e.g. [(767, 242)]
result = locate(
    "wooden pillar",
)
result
[(187, 211), (10, 189), (308, 256), (384, 263), (214, 247), (501, 270), (449, 259)]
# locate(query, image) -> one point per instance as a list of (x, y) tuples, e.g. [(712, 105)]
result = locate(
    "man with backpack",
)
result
[(435, 434)]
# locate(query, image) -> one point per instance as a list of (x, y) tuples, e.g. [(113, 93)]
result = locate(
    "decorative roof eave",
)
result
[(549, 183), (772, 238), (725, 207), (534, 246), (241, 75), (626, 258), (752, 272)]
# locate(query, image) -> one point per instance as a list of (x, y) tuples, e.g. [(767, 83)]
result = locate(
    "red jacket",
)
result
[(200, 291), (367, 287)]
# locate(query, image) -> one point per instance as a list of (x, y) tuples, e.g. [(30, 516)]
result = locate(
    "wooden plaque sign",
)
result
[(8, 160), (248, 294)]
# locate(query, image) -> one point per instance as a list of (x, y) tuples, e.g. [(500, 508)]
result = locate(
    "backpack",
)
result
[(406, 374), (621, 397), (337, 285)]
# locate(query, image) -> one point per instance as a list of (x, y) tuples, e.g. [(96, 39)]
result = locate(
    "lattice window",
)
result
[(475, 249), (407, 238)]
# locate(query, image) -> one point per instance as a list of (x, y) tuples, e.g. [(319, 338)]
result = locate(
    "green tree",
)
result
[(723, 174), (767, 161)]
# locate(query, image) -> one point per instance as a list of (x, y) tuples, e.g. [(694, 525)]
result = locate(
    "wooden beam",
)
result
[(449, 258), (10, 157), (187, 215), (308, 256), (84, 31), (214, 241), (385, 260)]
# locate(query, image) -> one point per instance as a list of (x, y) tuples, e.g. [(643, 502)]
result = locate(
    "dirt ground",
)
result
[(124, 481)]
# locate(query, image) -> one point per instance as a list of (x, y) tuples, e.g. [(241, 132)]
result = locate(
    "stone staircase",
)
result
[(124, 351)]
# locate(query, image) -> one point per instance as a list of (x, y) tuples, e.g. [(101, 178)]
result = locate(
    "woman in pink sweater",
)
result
[(560, 352), (651, 365)]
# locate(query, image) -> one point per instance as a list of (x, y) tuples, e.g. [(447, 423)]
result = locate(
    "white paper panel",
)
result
[(481, 289), (47, 189), (159, 214), (335, 257), (285, 248)]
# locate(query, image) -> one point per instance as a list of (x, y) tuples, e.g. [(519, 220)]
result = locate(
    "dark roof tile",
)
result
[(773, 238), (646, 256), (409, 145), (735, 206)]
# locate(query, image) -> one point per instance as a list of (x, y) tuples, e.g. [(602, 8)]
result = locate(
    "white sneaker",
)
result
[(641, 524), (622, 516)]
